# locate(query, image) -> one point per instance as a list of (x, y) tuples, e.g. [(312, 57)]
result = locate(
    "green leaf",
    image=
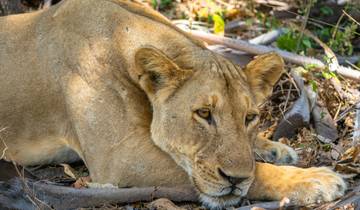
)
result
[(327, 11), (163, 3), (311, 66), (313, 85), (219, 24), (306, 43), (287, 42), (328, 74), (154, 4), (326, 147)]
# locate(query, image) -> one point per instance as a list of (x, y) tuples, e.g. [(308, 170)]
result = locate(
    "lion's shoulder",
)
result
[(140, 9)]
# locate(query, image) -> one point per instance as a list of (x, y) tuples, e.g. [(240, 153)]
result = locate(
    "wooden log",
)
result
[(260, 49), (60, 197), (267, 38)]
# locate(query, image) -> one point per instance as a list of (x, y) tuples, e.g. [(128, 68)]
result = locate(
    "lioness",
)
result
[(142, 103)]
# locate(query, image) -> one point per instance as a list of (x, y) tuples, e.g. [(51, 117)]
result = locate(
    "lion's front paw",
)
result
[(278, 153), (314, 185)]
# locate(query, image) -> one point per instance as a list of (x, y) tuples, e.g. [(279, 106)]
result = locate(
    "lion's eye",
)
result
[(250, 118), (205, 114)]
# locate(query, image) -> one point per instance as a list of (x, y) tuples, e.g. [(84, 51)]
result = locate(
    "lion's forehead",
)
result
[(215, 89)]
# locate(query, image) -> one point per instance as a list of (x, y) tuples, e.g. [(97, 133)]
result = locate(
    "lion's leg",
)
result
[(39, 151), (274, 152), (301, 186)]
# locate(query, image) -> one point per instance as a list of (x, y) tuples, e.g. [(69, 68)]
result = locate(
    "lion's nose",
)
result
[(233, 180)]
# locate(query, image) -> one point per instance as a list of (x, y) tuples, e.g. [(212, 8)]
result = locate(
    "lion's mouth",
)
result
[(228, 196), (219, 202)]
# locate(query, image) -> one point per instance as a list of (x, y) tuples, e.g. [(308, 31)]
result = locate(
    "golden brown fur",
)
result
[(142, 103)]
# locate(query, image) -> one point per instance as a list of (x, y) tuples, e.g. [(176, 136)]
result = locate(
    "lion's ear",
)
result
[(158, 74), (262, 74)]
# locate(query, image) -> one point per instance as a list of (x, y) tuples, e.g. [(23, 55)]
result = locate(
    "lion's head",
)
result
[(206, 118)]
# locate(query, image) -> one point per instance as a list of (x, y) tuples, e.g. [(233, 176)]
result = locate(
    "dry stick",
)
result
[(337, 26), (4, 143), (4, 150), (70, 198), (61, 197), (356, 135), (259, 49), (267, 38), (304, 23), (279, 4), (349, 16)]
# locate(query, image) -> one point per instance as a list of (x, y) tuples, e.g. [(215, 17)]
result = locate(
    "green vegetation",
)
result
[(289, 41), (161, 4)]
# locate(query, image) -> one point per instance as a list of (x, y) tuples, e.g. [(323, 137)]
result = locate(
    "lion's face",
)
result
[(206, 118)]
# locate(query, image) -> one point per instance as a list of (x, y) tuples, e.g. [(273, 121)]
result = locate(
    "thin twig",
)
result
[(349, 16), (355, 67), (337, 111), (260, 156), (30, 194), (267, 38), (345, 112), (287, 97), (303, 25), (4, 150), (337, 26), (291, 79), (6, 147), (278, 4)]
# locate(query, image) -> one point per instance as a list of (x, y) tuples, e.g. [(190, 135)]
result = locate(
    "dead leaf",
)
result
[(68, 170), (81, 182)]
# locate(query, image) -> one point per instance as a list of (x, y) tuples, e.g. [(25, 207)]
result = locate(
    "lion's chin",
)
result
[(219, 202)]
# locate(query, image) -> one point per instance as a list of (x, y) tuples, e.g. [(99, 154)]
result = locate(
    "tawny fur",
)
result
[(118, 85)]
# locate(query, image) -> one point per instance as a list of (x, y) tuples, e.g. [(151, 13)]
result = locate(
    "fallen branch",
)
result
[(235, 25), (279, 4), (267, 38), (238, 57), (259, 49), (61, 197)]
